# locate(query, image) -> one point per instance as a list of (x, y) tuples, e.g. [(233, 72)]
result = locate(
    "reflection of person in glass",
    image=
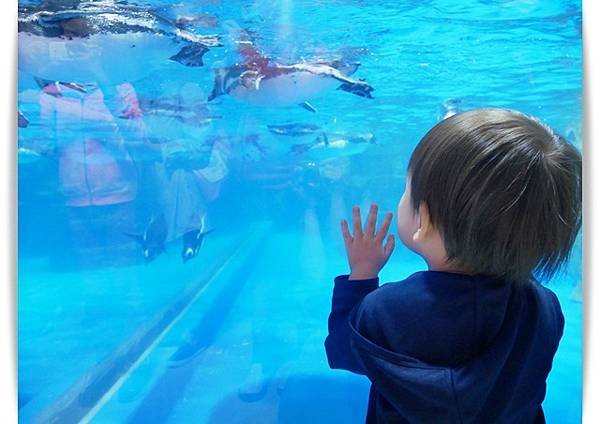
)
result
[(96, 174)]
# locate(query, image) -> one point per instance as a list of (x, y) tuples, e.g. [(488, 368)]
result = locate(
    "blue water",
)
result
[(236, 333)]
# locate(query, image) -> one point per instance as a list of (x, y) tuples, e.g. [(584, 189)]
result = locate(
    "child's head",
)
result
[(493, 192)]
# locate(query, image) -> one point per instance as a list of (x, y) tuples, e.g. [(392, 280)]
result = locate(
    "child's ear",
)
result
[(424, 223)]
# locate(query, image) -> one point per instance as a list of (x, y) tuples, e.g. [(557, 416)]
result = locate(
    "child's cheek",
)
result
[(404, 231), (405, 222)]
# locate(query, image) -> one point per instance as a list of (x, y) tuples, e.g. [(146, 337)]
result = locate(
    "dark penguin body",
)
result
[(192, 241), (357, 89), (153, 239)]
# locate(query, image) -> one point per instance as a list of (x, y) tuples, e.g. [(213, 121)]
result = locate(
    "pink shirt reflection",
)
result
[(94, 166)]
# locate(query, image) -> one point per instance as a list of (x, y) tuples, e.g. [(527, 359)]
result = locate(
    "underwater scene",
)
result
[(183, 168)]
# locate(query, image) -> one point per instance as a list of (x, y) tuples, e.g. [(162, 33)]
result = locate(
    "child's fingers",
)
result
[(371, 220), (385, 227), (389, 246), (356, 222), (346, 232)]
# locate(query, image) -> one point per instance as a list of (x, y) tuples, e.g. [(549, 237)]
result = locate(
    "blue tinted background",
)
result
[(105, 336)]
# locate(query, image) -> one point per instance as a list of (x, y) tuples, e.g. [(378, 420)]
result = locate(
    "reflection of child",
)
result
[(492, 197), (97, 176), (95, 169)]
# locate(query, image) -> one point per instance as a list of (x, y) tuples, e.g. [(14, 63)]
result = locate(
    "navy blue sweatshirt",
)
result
[(441, 347)]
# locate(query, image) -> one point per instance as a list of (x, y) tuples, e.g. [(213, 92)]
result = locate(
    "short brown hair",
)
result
[(503, 190)]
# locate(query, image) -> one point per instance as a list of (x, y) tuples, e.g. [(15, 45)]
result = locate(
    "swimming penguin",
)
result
[(260, 81), (153, 239), (53, 88), (293, 130), (167, 118), (195, 114), (83, 40), (330, 146), (192, 241)]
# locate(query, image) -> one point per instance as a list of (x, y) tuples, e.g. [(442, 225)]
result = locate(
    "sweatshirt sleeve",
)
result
[(346, 296)]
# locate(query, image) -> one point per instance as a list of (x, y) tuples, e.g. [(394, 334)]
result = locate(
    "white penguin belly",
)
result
[(114, 58), (286, 90)]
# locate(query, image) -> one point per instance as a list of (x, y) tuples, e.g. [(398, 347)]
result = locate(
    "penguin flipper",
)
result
[(190, 55), (308, 107)]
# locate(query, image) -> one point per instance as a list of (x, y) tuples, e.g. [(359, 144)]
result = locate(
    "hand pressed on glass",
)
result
[(366, 252)]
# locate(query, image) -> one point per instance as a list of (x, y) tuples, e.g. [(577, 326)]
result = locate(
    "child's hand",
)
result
[(366, 254)]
